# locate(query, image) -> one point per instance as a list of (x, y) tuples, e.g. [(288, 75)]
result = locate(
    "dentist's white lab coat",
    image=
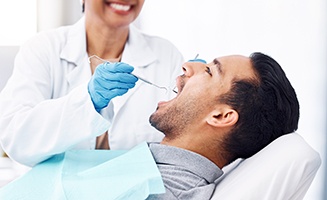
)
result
[(45, 107)]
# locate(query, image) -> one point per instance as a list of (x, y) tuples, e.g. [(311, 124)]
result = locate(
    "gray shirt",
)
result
[(186, 175)]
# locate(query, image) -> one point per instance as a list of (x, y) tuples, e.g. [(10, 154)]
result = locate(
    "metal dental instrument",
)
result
[(142, 79)]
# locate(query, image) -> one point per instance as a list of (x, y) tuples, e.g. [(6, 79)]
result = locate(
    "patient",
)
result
[(230, 108)]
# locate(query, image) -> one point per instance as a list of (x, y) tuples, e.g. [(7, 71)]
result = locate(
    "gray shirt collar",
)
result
[(192, 161)]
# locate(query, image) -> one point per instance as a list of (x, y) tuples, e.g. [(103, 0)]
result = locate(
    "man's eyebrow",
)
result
[(218, 65)]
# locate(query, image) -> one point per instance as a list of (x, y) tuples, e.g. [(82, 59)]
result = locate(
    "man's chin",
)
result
[(155, 122)]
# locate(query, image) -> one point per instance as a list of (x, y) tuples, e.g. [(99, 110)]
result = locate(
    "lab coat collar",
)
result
[(75, 39), (74, 52), (137, 51)]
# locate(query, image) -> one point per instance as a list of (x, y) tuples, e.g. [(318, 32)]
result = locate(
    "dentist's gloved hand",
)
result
[(108, 81)]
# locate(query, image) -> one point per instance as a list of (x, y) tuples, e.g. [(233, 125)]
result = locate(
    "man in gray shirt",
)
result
[(227, 109)]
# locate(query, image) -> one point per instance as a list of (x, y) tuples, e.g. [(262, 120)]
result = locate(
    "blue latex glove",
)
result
[(198, 60), (108, 81)]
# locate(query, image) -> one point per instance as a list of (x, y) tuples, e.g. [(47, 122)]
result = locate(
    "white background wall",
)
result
[(17, 21), (294, 32), (54, 13), (291, 31)]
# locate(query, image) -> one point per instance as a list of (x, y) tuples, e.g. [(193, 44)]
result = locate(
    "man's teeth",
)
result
[(120, 7)]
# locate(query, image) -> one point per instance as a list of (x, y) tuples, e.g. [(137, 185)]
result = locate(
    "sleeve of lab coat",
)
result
[(33, 126)]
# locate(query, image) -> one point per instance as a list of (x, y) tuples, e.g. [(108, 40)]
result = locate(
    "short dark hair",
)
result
[(267, 105)]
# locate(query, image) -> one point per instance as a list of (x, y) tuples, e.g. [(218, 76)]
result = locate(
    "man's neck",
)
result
[(200, 145)]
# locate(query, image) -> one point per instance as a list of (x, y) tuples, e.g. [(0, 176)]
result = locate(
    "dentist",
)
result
[(56, 100)]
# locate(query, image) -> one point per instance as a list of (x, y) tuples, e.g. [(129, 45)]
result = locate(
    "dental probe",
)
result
[(150, 83)]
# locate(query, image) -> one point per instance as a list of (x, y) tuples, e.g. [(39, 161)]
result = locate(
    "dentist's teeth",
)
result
[(120, 7)]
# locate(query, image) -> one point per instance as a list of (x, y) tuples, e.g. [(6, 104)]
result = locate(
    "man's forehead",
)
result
[(233, 59), (237, 61), (235, 64)]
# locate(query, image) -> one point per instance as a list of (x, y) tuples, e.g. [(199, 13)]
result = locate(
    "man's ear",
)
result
[(223, 118)]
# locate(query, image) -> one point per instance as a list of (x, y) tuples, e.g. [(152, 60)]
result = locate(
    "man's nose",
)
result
[(192, 66), (188, 69)]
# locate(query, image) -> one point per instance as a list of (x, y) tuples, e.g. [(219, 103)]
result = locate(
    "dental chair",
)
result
[(283, 170)]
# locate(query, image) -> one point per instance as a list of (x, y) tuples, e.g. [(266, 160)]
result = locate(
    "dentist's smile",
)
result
[(119, 7)]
